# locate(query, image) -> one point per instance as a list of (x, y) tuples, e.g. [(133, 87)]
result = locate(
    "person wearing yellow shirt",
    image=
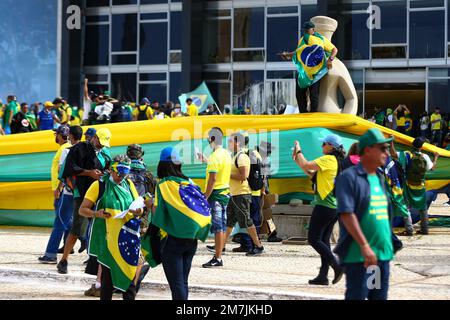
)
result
[(241, 193), (436, 127), (64, 110), (217, 192), (400, 116), (191, 108), (144, 111), (323, 171)]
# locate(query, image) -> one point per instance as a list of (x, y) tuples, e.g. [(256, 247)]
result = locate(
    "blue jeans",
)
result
[(219, 216), (176, 256), (61, 225), (358, 282), (255, 214)]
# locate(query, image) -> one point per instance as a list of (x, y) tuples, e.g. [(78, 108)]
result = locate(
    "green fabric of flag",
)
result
[(201, 97)]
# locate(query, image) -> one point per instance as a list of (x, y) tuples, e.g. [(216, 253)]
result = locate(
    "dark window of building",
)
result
[(124, 86), (248, 85), (282, 10), (438, 95), (175, 86), (282, 35), (153, 43), (280, 74), (97, 3), (122, 2), (97, 45), (97, 77), (97, 19), (154, 1), (154, 16), (217, 41), (175, 30), (154, 92), (357, 38), (162, 76), (249, 28), (427, 3), (119, 59), (124, 32), (220, 93), (248, 55), (393, 22), (427, 34), (98, 88), (389, 52), (308, 11)]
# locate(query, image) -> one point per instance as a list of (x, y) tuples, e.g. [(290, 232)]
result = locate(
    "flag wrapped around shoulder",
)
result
[(181, 209), (201, 97), (116, 242), (310, 58)]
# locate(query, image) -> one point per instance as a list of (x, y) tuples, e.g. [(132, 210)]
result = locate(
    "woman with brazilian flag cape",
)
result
[(183, 215), (115, 241)]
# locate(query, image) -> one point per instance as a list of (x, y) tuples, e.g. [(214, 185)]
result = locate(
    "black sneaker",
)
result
[(213, 249), (255, 251), (338, 273), (47, 260), (319, 281), (62, 267), (274, 239), (213, 263), (61, 251), (241, 249), (83, 246)]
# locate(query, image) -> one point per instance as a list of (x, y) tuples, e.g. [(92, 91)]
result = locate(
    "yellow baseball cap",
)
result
[(48, 104), (104, 136)]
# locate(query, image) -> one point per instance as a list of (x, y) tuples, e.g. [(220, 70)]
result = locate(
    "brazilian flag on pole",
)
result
[(116, 242), (310, 58), (201, 97)]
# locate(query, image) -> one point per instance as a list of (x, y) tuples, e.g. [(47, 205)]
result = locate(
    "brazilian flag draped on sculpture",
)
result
[(116, 242), (311, 57)]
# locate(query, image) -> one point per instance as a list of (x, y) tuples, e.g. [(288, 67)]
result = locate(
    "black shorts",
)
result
[(238, 211), (79, 223)]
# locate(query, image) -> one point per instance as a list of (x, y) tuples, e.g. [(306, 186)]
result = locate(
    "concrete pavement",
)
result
[(420, 271)]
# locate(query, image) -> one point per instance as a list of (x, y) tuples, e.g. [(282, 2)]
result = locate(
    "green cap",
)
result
[(371, 137), (308, 25)]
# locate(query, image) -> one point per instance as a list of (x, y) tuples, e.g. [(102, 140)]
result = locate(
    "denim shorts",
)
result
[(219, 216)]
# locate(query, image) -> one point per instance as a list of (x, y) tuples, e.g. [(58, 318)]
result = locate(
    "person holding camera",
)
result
[(400, 116)]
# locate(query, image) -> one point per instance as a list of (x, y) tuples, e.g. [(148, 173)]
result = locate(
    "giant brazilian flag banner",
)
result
[(26, 198), (310, 58)]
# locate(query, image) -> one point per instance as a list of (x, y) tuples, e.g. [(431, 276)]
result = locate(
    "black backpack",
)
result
[(142, 114), (255, 178)]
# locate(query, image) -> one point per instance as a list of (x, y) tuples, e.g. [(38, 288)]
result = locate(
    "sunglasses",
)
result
[(382, 148)]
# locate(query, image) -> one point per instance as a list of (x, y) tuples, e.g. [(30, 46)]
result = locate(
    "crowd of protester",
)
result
[(432, 125)]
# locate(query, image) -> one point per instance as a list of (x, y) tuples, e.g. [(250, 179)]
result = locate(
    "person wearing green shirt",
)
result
[(366, 244), (10, 111), (324, 216)]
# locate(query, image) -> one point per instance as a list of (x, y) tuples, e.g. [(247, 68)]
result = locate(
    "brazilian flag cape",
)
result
[(116, 242), (310, 58), (394, 188), (181, 211)]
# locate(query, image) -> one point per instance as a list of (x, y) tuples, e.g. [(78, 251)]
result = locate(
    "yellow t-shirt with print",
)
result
[(192, 110), (66, 114), (328, 167), (55, 165), (437, 125), (219, 162), (94, 190), (238, 187)]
